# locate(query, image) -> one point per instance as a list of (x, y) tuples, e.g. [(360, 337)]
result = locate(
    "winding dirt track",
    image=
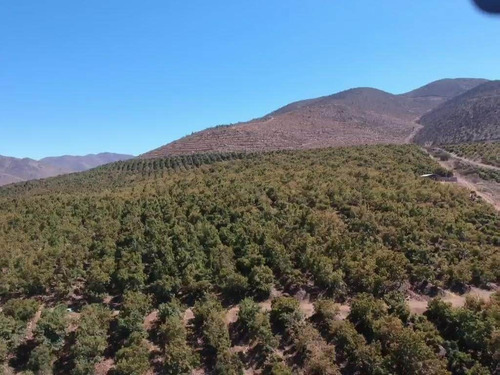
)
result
[(476, 163), (466, 182)]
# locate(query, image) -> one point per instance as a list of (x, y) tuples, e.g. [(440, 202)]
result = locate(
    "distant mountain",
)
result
[(17, 170), (83, 163), (470, 117), (352, 117), (446, 88)]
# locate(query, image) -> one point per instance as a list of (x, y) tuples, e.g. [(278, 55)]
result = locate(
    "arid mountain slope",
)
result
[(470, 117), (352, 117), (446, 88), (82, 163), (17, 170)]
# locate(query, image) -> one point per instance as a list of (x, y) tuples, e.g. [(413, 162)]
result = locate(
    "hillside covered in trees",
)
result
[(483, 152), (196, 264)]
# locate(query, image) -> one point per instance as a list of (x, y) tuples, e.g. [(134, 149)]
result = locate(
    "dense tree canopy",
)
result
[(354, 225)]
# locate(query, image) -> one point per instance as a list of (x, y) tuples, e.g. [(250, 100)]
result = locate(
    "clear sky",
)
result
[(80, 77)]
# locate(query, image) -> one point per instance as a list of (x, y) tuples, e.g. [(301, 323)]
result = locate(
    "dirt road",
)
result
[(410, 137), (486, 195), (472, 162)]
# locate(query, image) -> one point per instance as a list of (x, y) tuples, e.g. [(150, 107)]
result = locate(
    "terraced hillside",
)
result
[(270, 263), (471, 117), (353, 117)]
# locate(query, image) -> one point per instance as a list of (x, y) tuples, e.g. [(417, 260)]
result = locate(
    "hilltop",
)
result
[(471, 117), (352, 117)]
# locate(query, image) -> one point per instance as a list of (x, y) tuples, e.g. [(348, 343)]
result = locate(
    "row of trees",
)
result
[(342, 222)]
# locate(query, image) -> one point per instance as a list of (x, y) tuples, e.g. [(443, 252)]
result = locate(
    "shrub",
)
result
[(326, 310), (51, 327), (91, 337), (135, 307), (21, 309), (261, 280), (133, 359), (228, 364), (215, 333), (234, 285), (41, 359), (285, 311), (365, 311), (256, 323)]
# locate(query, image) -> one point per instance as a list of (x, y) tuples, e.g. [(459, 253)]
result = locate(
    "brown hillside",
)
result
[(16, 170), (83, 163), (470, 117), (353, 117)]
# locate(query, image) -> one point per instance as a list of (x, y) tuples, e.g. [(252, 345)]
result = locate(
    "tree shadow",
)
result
[(19, 362), (65, 359)]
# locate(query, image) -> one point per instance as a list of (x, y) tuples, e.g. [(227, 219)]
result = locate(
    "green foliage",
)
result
[(256, 324), (41, 359), (355, 223), (366, 224), (171, 309), (472, 331), (279, 368), (21, 309), (51, 328), (261, 280), (209, 316), (179, 357), (365, 312), (135, 307), (91, 338), (326, 310), (8, 335), (397, 305), (206, 306), (409, 354), (285, 311), (485, 152), (233, 284), (317, 355), (215, 333), (133, 358), (228, 364)]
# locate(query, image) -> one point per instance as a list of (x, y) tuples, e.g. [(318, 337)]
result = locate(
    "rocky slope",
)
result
[(471, 117)]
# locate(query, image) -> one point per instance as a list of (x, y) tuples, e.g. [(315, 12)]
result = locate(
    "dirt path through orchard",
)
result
[(486, 194)]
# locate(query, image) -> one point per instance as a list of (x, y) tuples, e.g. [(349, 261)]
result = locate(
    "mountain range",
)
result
[(352, 117), (17, 170), (441, 112)]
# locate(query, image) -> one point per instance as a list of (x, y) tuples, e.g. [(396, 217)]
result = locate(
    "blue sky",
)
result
[(127, 76)]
